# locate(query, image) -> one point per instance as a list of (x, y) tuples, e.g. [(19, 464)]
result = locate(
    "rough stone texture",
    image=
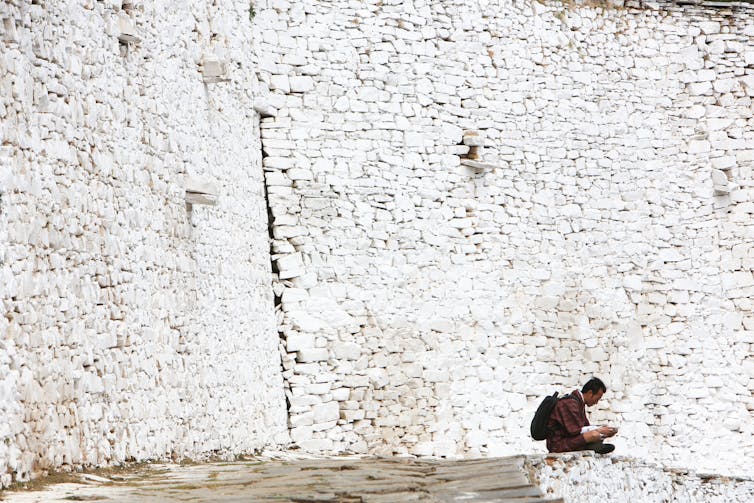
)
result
[(132, 326), (591, 478), (431, 289), (436, 303)]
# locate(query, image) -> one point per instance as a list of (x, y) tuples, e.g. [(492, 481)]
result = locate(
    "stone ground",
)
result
[(338, 480)]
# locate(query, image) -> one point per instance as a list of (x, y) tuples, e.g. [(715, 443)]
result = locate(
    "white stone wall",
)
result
[(589, 478), (131, 327), (428, 307)]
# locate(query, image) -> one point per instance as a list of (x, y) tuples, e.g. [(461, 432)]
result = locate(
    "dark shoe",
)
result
[(604, 448)]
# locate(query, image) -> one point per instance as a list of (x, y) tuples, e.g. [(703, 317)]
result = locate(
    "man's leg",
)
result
[(599, 447)]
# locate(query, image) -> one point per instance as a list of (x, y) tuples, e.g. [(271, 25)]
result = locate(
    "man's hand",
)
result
[(600, 433), (608, 431)]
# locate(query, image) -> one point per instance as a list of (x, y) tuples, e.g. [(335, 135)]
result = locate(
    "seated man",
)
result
[(568, 428)]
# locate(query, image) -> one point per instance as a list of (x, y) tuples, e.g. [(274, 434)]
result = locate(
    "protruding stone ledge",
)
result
[(264, 108), (721, 183), (127, 30), (478, 166), (588, 477), (200, 191), (214, 70)]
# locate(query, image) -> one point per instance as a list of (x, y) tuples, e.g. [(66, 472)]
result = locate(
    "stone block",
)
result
[(436, 376), (316, 445), (356, 381), (294, 295), (413, 139), (309, 355), (277, 178), (214, 70), (422, 449), (301, 84), (748, 84), (300, 174), (596, 354), (347, 351), (301, 420), (326, 412), (326, 427), (474, 138), (341, 394), (700, 88), (724, 85), (476, 438), (352, 415), (718, 124), (691, 57), (301, 433), (297, 341), (720, 182), (281, 163), (748, 367), (200, 190), (127, 32), (265, 108), (280, 83), (723, 163), (378, 377), (709, 27), (698, 146), (290, 265)]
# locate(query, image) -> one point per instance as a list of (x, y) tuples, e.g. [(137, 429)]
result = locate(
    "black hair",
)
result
[(595, 385)]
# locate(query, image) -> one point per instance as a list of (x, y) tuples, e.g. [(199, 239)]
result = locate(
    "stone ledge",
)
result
[(588, 477)]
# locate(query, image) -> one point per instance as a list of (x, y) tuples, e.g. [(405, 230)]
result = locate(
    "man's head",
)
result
[(593, 391)]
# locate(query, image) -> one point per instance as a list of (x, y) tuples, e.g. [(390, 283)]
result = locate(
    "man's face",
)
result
[(591, 398)]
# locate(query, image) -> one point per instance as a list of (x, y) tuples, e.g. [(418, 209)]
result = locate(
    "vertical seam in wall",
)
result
[(277, 299)]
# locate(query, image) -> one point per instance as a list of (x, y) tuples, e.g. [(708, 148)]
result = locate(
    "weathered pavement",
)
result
[(340, 480)]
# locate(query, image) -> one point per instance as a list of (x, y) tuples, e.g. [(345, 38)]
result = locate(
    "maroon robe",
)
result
[(565, 423)]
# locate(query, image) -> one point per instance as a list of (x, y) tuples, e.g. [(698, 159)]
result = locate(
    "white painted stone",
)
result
[(301, 84), (412, 139), (326, 412), (277, 178), (698, 146), (589, 478), (142, 319), (290, 265), (301, 433), (720, 181), (296, 341), (280, 83), (278, 163), (723, 163), (347, 351), (422, 449), (561, 259), (316, 444), (432, 305), (691, 57), (301, 320), (352, 415), (312, 355)]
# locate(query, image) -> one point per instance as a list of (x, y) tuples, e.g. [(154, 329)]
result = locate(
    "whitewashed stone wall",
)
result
[(131, 327), (428, 307), (590, 478)]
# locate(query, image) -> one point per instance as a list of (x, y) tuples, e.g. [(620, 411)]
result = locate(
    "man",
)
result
[(568, 429)]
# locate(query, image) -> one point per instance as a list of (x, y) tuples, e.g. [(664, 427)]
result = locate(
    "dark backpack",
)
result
[(539, 423)]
